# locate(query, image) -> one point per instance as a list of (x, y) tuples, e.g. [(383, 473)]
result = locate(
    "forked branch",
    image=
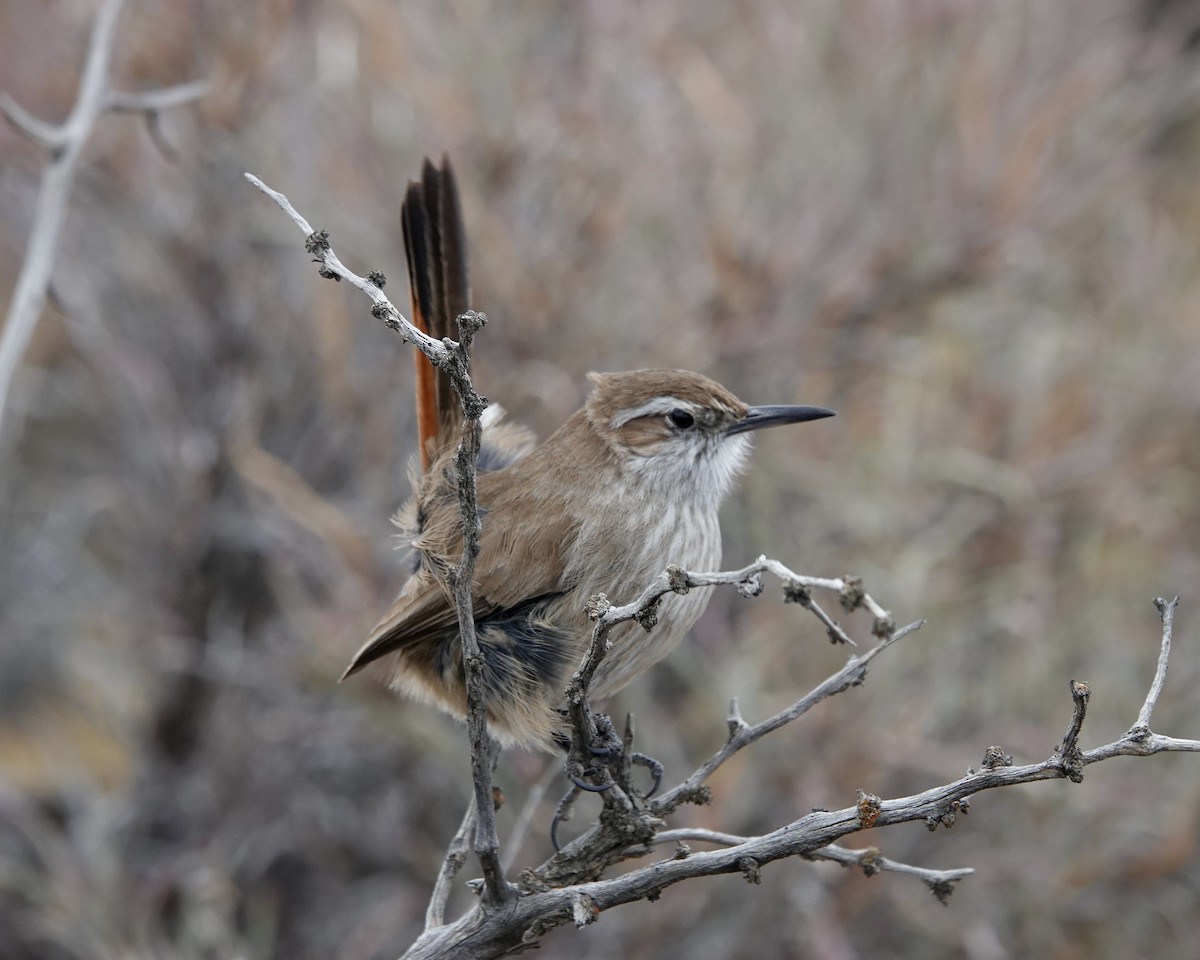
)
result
[(570, 888)]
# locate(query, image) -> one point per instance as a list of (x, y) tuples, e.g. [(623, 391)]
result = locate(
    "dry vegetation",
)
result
[(971, 228)]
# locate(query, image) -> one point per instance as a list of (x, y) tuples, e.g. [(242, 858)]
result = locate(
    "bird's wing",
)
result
[(512, 568)]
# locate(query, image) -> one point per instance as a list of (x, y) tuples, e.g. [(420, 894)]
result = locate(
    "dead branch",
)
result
[(570, 887), (567, 889)]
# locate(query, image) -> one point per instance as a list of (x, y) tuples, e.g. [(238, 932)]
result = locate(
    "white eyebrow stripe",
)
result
[(659, 405)]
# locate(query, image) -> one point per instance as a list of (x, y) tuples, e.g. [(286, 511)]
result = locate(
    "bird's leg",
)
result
[(562, 813), (619, 756), (656, 771), (597, 762), (604, 761), (599, 753), (582, 784)]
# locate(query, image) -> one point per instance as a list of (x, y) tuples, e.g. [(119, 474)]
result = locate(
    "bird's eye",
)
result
[(681, 419)]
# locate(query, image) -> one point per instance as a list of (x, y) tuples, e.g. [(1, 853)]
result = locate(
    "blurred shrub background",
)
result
[(969, 227)]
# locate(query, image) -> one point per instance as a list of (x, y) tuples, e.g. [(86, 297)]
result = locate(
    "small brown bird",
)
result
[(630, 483)]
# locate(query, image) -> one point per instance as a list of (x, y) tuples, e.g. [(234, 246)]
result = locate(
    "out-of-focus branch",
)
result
[(44, 134), (302, 503), (65, 144), (452, 358), (528, 811), (152, 101), (452, 863)]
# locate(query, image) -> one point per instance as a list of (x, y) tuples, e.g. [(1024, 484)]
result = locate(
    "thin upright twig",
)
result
[(484, 749), (453, 359), (452, 863), (1068, 752), (1166, 612)]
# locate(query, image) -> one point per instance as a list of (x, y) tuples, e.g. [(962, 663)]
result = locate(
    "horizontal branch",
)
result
[(543, 905), (151, 101), (869, 860), (797, 589), (810, 834)]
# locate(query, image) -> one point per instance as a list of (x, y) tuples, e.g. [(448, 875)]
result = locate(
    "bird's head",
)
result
[(680, 428)]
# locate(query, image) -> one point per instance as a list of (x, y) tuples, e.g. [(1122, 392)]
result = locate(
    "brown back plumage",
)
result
[(436, 249)]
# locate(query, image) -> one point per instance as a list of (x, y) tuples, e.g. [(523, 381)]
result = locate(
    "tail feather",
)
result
[(436, 249)]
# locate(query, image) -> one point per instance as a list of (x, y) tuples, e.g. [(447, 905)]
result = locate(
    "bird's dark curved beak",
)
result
[(758, 417)]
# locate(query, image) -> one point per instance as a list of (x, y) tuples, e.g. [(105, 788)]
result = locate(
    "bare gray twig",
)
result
[(542, 907), (383, 309), (551, 894), (1068, 751), (452, 863), (484, 750), (1166, 612), (870, 860)]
